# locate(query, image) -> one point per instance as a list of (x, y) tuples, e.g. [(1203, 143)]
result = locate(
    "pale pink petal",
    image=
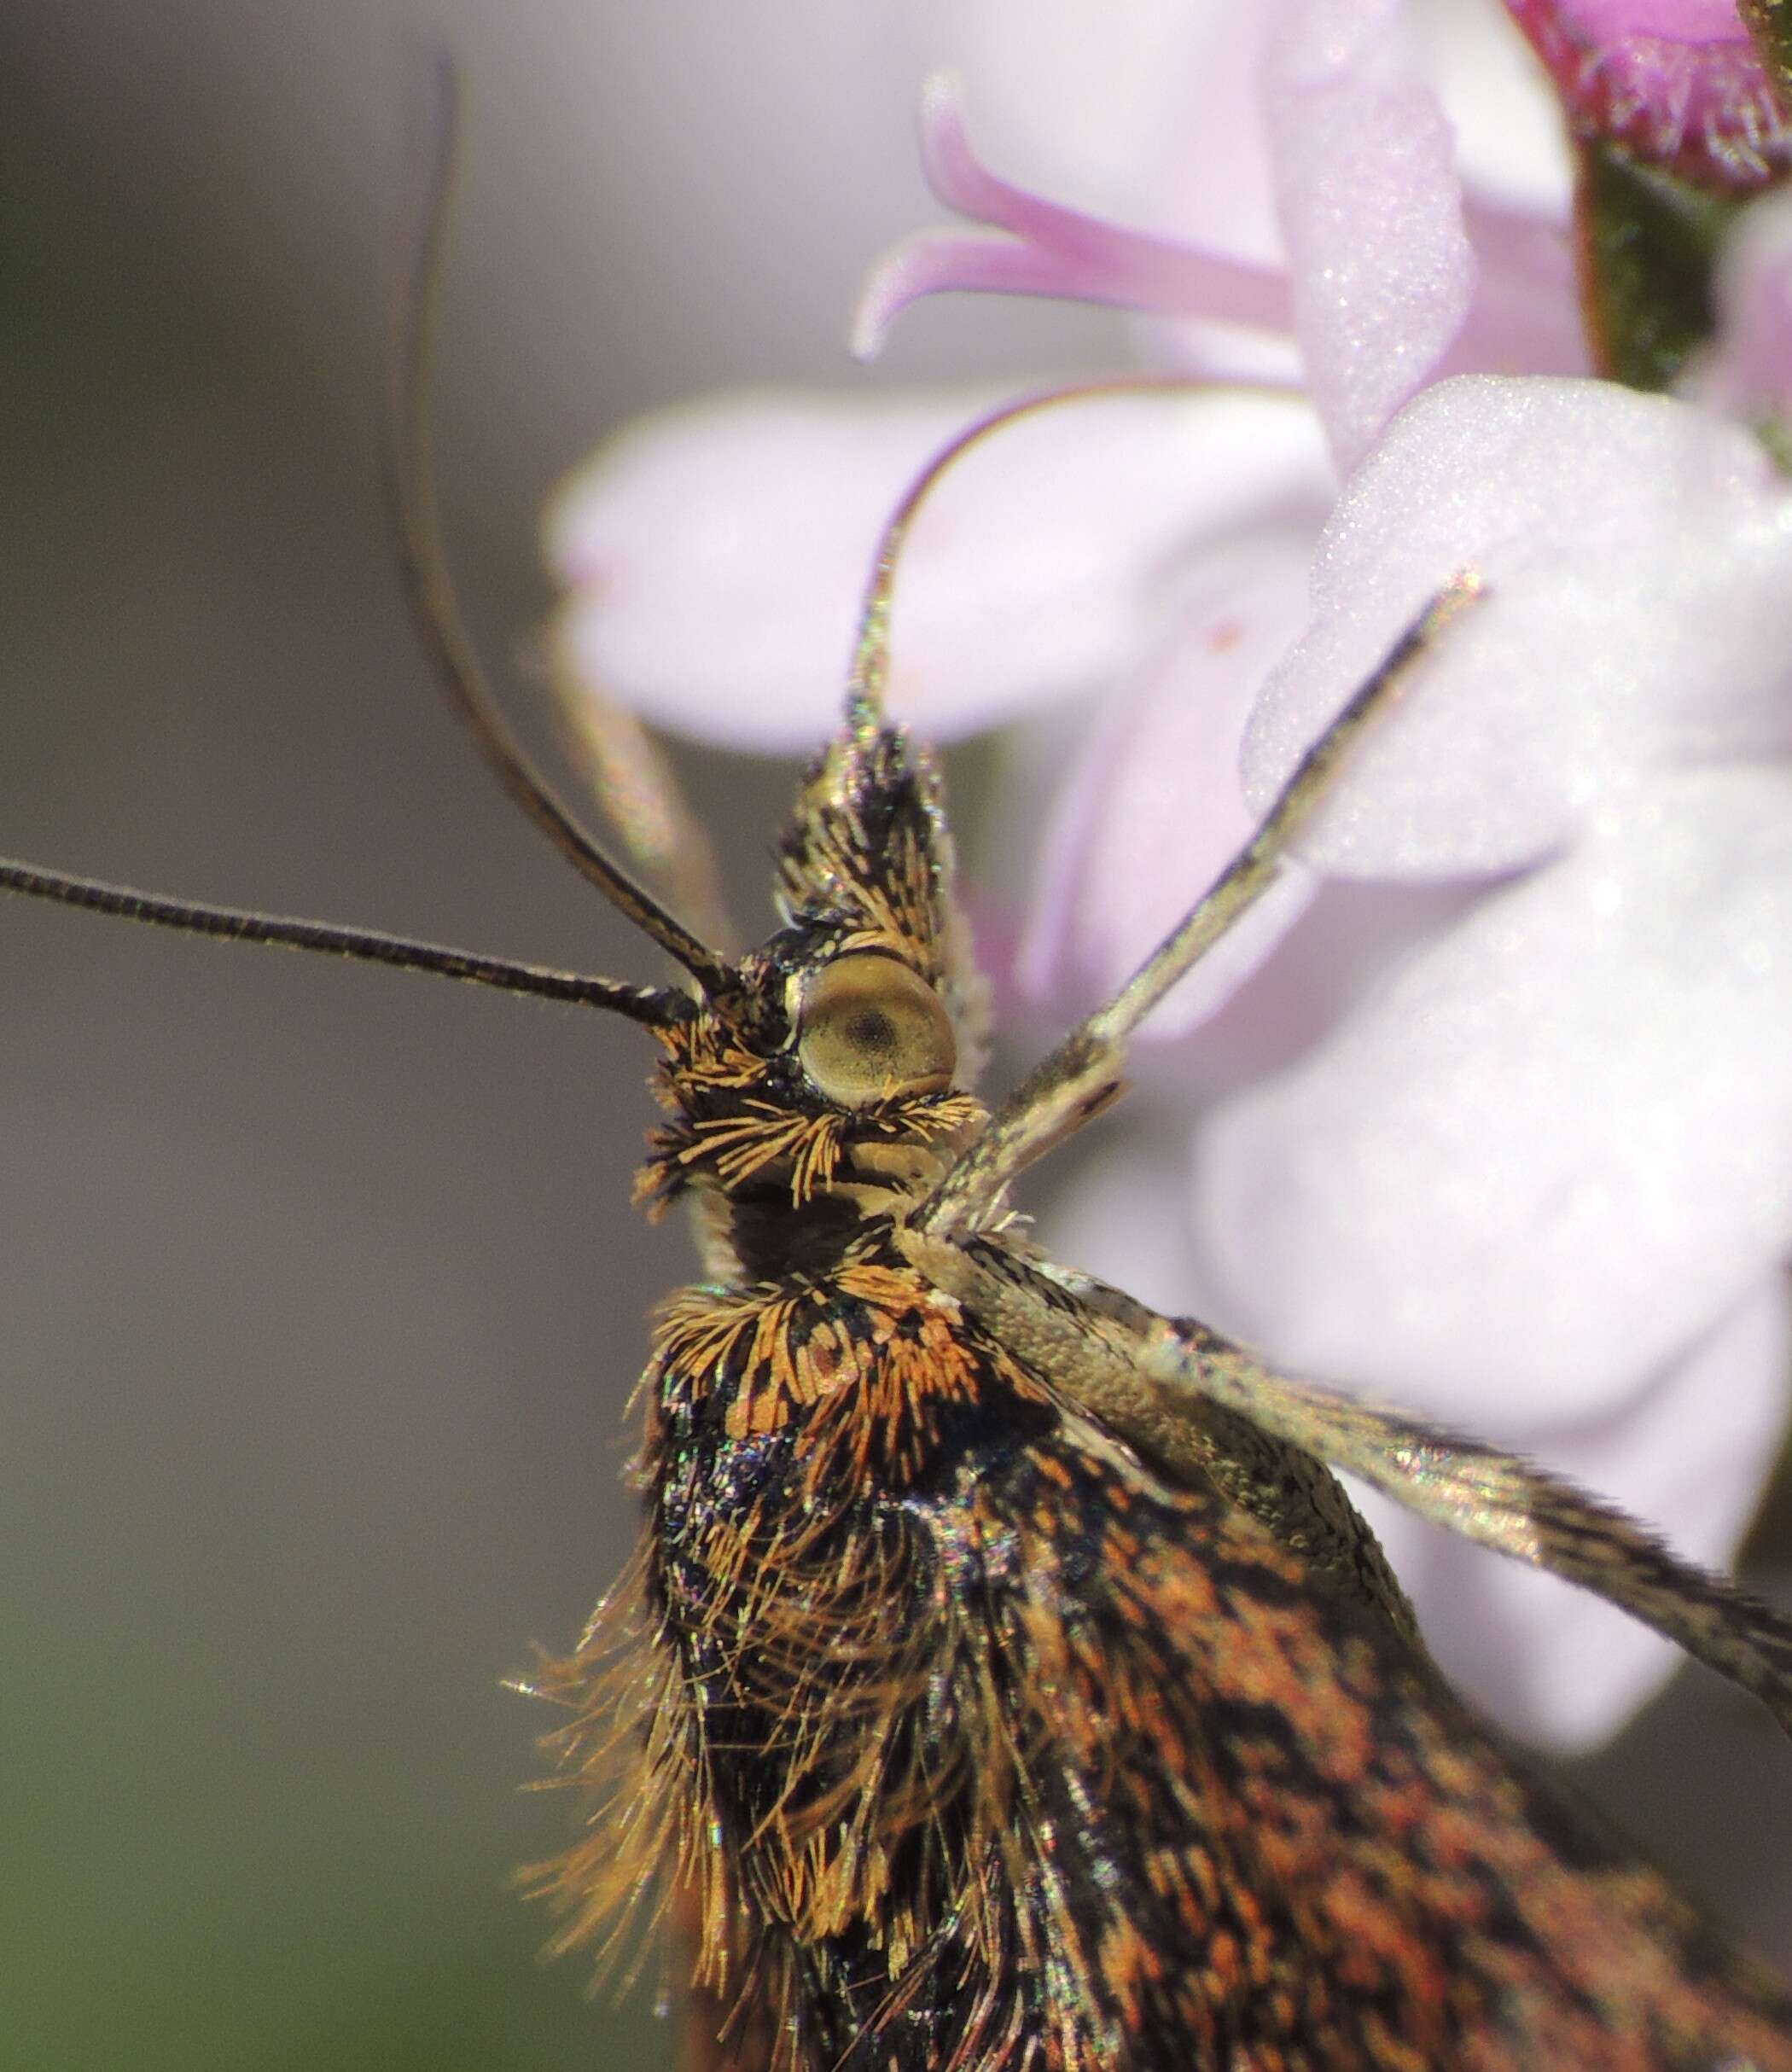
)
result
[(1689, 1452), (1525, 317), (1066, 104), (1152, 811), (716, 555), (1638, 560), (1348, 937), (1214, 188), (1130, 275), (1748, 371), (1371, 212), (1383, 293), (1535, 1165), (964, 182), (1048, 250), (1215, 177)]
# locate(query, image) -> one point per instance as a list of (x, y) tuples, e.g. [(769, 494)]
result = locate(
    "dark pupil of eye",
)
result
[(871, 1029)]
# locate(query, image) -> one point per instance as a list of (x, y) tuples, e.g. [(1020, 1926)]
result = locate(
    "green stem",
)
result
[(1648, 242)]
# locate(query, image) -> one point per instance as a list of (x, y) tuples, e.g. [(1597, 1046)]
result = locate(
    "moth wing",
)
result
[(1270, 1834)]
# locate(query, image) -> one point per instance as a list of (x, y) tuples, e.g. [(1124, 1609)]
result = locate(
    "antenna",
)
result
[(869, 672), (655, 1006), (438, 619), (411, 502)]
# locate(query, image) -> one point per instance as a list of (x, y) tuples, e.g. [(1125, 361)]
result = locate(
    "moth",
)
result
[(1004, 1681)]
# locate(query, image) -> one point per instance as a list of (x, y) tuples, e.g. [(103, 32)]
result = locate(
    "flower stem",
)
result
[(1648, 241)]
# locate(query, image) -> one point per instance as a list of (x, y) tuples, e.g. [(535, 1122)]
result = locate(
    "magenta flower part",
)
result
[(1043, 248), (1677, 82)]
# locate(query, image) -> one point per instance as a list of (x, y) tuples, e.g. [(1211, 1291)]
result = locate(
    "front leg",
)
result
[(1161, 1381)]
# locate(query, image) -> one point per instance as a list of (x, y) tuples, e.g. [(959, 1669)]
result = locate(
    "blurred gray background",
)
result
[(319, 1295)]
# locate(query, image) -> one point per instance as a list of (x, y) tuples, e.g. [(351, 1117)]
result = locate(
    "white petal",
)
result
[(718, 554), (1532, 1167), (1689, 1454), (1639, 559)]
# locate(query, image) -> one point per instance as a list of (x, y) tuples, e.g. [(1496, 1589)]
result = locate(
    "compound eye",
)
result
[(868, 1027)]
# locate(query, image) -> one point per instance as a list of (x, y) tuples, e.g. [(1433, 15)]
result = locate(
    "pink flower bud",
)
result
[(1676, 82)]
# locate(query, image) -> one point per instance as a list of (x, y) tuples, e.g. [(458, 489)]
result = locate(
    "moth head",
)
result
[(841, 1053), (850, 1042)]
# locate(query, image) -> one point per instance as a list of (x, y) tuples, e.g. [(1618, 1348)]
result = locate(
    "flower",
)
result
[(1457, 1117), (1540, 1166), (1388, 275)]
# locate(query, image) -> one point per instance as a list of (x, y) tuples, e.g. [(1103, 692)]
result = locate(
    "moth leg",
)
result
[(1158, 1381), (1497, 1499), (1082, 1074)]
